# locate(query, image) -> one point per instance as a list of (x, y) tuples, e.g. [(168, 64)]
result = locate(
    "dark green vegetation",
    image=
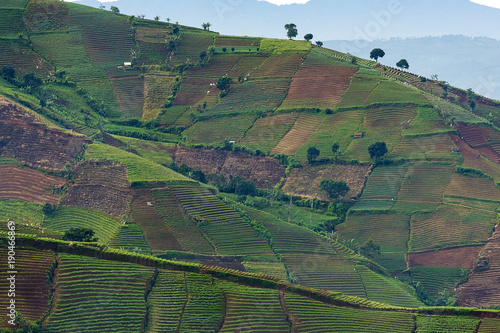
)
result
[(258, 156)]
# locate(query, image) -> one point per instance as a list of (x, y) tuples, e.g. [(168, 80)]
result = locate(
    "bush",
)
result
[(334, 188), (8, 72), (80, 235), (245, 187)]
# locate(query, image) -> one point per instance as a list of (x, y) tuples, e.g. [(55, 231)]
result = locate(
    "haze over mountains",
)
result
[(463, 62)]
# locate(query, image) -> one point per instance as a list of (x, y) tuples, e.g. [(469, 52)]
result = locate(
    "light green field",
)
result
[(278, 46), (219, 129), (157, 152)]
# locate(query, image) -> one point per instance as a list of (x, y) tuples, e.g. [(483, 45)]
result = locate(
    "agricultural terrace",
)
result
[(252, 96), (427, 122), (158, 152), (279, 46), (362, 85), (305, 181), (217, 66), (478, 137), (435, 280), (423, 186), (130, 94), (481, 290), (42, 15), (28, 185), (279, 66), (253, 309), (450, 226), (139, 169), (450, 110), (246, 65), (12, 22), (179, 231), (21, 211), (451, 324), (389, 231), (318, 84), (153, 45), (130, 238), (304, 126), (365, 64), (158, 234), (313, 316), (193, 89), (230, 234), (392, 92), (101, 172), (471, 187), (20, 56), (471, 159), (32, 288), (266, 133), (172, 114), (384, 182), (489, 325), (425, 147), (189, 46), (64, 218), (218, 129), (115, 289), (236, 41), (335, 128), (459, 257)]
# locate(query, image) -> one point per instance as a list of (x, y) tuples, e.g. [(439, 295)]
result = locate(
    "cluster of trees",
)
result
[(291, 32), (376, 150), (379, 53)]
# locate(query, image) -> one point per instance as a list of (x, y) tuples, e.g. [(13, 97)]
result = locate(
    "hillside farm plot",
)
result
[(20, 56), (46, 15), (130, 238), (471, 187), (236, 41), (253, 96), (188, 236), (139, 169), (218, 130), (460, 257), (14, 4), (391, 92), (104, 225), (450, 226), (481, 138), (384, 182), (304, 126), (224, 226), (190, 45), (372, 205), (449, 324), (427, 122), (130, 94), (423, 186), (359, 89), (32, 288), (158, 152), (268, 131), (21, 211), (318, 86), (116, 290), (312, 316), (28, 185), (436, 146), (279, 66), (471, 159), (336, 128), (253, 308), (380, 124), (435, 280), (172, 114), (217, 66), (193, 89), (389, 231), (246, 66), (305, 181), (284, 46), (12, 22), (153, 44)]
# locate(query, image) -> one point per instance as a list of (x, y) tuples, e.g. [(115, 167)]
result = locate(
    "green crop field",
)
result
[(475, 188), (21, 211), (278, 46), (430, 324), (450, 226), (384, 182), (12, 22), (389, 231), (279, 66), (105, 226), (190, 45), (130, 238), (436, 280), (218, 129), (172, 114), (157, 152), (139, 169)]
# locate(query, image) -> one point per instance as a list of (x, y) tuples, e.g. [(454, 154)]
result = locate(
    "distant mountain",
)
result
[(325, 19), (462, 61)]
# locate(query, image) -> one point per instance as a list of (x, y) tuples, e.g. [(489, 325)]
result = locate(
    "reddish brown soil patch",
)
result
[(264, 171), (31, 142), (483, 287), (28, 185), (326, 83), (462, 257), (479, 138)]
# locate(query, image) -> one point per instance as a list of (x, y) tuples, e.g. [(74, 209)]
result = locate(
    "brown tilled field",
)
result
[(28, 185), (462, 257), (305, 181)]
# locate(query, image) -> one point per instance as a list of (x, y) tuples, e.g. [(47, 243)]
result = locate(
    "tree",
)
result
[(334, 188), (308, 37), (403, 64), (319, 43), (377, 53), (32, 81), (79, 235), (377, 149), (246, 187), (114, 9), (206, 26), (48, 209), (157, 18), (369, 248), (312, 154), (291, 30), (203, 57), (335, 148), (8, 72), (224, 83)]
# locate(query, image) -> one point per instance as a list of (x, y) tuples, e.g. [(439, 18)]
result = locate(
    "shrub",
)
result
[(80, 235)]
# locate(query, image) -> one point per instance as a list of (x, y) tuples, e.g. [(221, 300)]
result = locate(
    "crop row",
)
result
[(438, 279), (64, 218), (130, 94), (246, 66), (131, 238), (189, 47), (218, 65), (284, 66), (22, 58), (218, 129), (449, 324), (11, 23), (384, 182), (476, 188), (298, 135)]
